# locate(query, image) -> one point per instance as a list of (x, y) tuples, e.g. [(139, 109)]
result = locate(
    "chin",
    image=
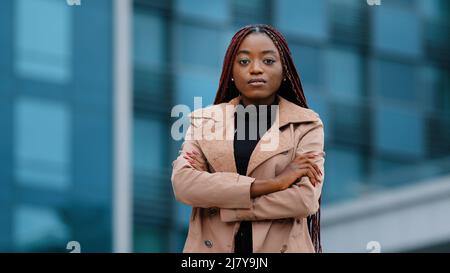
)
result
[(258, 94)]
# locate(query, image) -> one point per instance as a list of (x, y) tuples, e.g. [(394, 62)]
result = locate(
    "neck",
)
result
[(265, 101)]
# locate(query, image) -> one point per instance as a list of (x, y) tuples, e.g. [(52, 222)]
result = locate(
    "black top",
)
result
[(243, 148)]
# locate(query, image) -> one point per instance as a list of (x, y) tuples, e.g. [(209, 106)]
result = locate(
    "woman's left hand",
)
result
[(196, 161)]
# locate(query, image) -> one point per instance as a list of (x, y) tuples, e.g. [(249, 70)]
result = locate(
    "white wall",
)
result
[(400, 219)]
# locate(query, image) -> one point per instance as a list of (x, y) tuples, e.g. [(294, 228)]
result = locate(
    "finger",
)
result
[(316, 153), (309, 157), (319, 171), (315, 179), (197, 159), (188, 158), (195, 165), (314, 172), (306, 161), (311, 177)]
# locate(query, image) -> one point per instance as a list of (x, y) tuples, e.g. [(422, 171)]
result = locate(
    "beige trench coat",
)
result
[(220, 197)]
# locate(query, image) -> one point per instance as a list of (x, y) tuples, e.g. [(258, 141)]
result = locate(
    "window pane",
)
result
[(148, 146), (150, 53), (344, 172), (395, 80), (190, 84), (399, 131), (246, 12), (148, 33), (39, 230), (192, 50), (42, 152), (351, 124), (217, 10), (308, 61), (302, 17), (339, 65), (349, 22), (431, 9), (150, 239), (42, 43), (397, 30)]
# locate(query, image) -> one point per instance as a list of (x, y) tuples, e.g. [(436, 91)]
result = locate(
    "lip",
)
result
[(257, 82)]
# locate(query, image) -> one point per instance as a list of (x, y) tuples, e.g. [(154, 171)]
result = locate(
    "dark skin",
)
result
[(259, 59)]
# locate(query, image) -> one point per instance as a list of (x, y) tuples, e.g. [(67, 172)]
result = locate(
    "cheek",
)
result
[(277, 74), (237, 74)]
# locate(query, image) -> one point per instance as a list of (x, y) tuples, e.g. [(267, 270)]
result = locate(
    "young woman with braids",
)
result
[(244, 198)]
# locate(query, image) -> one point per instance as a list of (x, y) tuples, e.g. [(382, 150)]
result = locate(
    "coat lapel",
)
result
[(220, 153), (288, 113)]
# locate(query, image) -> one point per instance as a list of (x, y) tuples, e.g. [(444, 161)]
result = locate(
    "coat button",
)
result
[(208, 243), (212, 211)]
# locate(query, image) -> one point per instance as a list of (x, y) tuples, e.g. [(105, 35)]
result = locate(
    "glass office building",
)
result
[(378, 75), (56, 123)]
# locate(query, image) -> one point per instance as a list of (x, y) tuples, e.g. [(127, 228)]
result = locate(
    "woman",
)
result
[(247, 199)]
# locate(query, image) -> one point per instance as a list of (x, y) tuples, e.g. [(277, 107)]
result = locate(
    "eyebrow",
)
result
[(244, 51)]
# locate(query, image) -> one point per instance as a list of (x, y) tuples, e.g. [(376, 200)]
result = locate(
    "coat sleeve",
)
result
[(298, 201), (203, 189)]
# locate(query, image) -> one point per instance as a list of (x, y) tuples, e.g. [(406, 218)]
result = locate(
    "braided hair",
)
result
[(291, 89)]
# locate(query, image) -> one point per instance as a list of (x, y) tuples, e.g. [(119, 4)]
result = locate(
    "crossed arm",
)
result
[(194, 186)]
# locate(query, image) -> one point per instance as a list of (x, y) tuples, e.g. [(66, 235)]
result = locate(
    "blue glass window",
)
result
[(149, 47), (191, 48), (42, 149), (399, 131), (43, 40), (190, 84), (217, 10), (344, 74), (148, 146), (150, 239), (302, 17), (308, 61), (344, 172), (397, 30), (39, 229), (395, 80)]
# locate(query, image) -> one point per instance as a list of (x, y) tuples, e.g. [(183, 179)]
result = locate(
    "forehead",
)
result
[(258, 42)]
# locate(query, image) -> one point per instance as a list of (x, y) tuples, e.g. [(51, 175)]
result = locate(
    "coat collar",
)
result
[(289, 112), (220, 153)]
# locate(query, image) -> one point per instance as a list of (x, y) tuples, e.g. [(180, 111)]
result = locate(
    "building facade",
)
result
[(378, 75)]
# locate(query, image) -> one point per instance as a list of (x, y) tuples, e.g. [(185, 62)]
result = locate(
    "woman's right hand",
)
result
[(302, 165)]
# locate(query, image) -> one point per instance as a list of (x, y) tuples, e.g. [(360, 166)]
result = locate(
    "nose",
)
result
[(256, 68)]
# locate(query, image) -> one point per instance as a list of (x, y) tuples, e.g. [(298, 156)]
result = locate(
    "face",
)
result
[(257, 69)]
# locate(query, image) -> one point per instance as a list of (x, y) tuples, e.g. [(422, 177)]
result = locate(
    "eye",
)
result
[(269, 61), (244, 61)]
